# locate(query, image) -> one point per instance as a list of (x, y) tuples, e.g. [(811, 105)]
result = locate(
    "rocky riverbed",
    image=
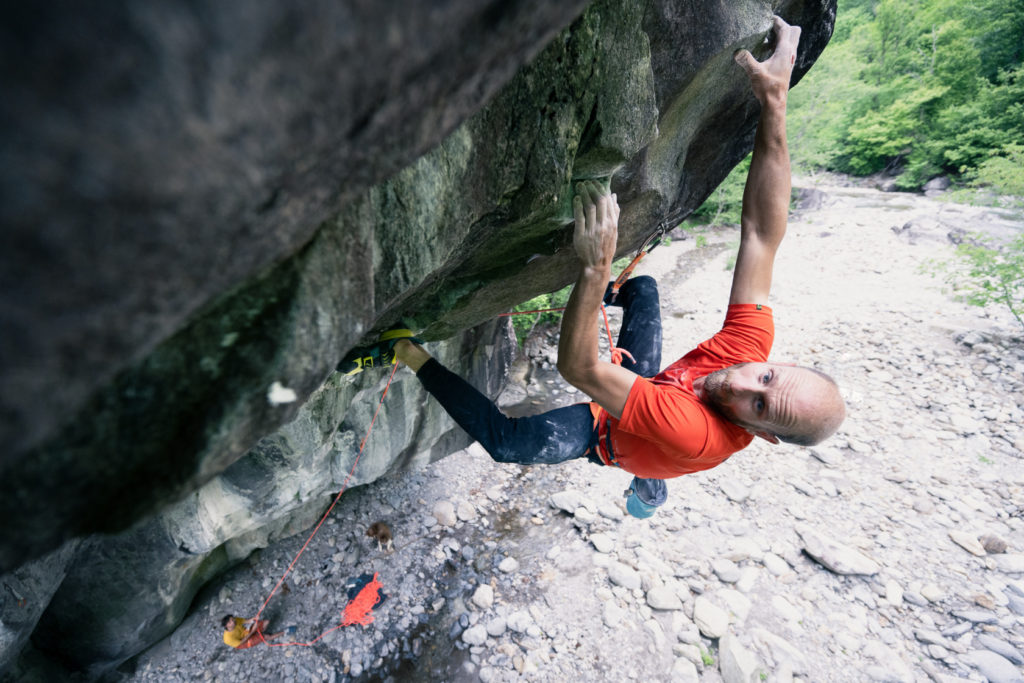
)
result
[(894, 552)]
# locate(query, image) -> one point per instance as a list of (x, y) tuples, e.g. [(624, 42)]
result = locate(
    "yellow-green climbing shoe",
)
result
[(377, 355)]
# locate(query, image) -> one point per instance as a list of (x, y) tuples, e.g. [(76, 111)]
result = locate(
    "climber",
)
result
[(704, 407), (241, 634)]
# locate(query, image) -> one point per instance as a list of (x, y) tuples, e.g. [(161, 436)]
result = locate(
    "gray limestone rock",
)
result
[(663, 598), (1001, 647), (623, 575), (712, 620), (1010, 563), (995, 668), (736, 663), (835, 556)]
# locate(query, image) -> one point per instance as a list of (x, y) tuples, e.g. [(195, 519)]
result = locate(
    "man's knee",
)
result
[(643, 285)]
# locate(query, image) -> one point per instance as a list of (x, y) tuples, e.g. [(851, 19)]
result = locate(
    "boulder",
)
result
[(205, 207)]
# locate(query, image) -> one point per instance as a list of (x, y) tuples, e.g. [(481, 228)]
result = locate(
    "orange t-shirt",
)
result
[(665, 430)]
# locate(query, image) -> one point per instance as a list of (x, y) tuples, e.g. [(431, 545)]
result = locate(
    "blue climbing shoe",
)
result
[(377, 355)]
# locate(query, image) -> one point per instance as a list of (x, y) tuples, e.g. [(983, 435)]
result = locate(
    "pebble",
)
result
[(466, 512), (603, 543), (836, 556), (663, 598), (1010, 563), (622, 575), (475, 635), (444, 513), (712, 620), (483, 596), (736, 663), (1001, 648), (726, 570), (992, 544), (567, 501), (496, 627), (992, 666), (968, 542), (508, 565)]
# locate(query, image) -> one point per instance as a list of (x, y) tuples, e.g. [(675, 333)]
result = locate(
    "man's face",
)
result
[(229, 625), (764, 398)]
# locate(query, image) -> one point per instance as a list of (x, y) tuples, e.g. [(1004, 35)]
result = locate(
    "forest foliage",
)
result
[(918, 88), (912, 88)]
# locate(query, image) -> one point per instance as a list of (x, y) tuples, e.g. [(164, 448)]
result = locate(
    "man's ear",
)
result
[(767, 436)]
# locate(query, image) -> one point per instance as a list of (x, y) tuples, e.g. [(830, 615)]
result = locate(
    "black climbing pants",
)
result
[(563, 433)]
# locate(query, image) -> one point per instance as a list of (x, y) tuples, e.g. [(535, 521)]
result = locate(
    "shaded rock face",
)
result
[(213, 203)]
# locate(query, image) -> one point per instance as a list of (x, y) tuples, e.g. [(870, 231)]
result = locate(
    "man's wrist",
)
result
[(596, 272)]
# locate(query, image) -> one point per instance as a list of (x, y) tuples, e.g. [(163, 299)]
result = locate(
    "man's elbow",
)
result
[(567, 369), (572, 372)]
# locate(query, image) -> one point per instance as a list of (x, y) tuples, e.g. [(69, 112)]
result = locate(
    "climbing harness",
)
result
[(356, 615)]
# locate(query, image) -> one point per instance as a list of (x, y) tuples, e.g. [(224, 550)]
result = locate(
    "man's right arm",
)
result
[(767, 191)]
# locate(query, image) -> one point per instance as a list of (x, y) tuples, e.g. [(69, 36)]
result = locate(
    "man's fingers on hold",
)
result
[(745, 59)]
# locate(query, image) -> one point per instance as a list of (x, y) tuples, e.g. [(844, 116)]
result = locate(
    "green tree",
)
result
[(922, 87)]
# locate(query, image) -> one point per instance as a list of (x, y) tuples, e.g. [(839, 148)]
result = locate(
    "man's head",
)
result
[(775, 401), (228, 622)]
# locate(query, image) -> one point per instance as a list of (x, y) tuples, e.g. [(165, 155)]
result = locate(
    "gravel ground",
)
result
[(894, 552)]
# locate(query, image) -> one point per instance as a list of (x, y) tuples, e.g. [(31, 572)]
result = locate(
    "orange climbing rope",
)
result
[(346, 619)]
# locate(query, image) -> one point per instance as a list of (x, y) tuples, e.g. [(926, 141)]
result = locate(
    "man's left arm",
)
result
[(596, 213), (767, 190)]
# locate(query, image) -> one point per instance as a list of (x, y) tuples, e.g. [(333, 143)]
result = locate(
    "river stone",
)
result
[(466, 511), (734, 490), (1015, 603), (508, 565), (603, 543), (612, 614), (444, 513), (967, 541), (995, 668), (519, 621), (993, 544), (663, 598), (975, 616), (622, 575), (684, 671), (475, 635), (726, 570), (1010, 563), (567, 501), (782, 651), (1001, 647), (483, 596), (736, 663), (495, 627), (932, 593), (775, 564), (835, 556), (712, 620)]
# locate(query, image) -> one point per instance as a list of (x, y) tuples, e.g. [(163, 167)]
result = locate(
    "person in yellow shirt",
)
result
[(243, 633)]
